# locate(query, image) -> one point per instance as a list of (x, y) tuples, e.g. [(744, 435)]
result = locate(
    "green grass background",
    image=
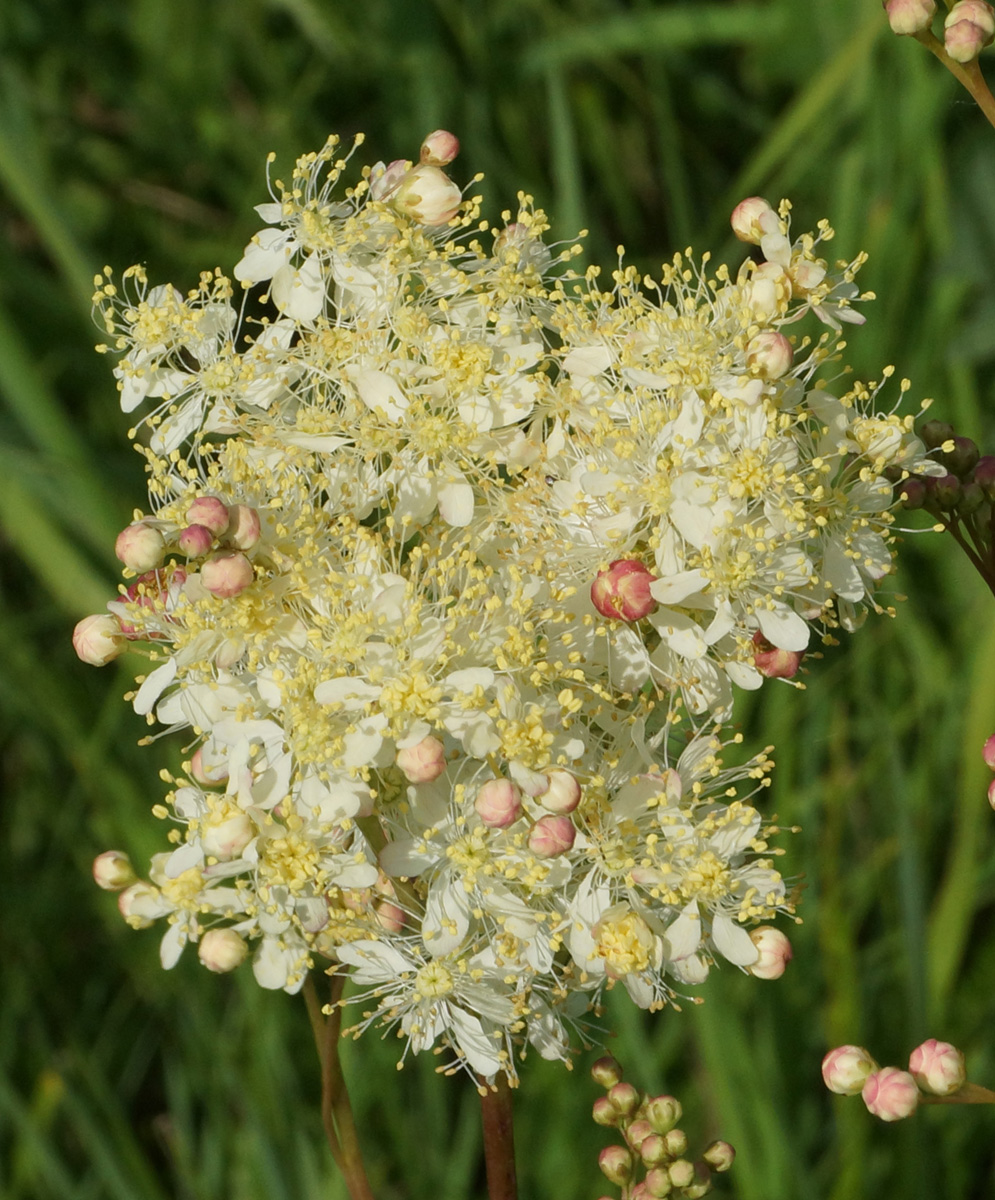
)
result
[(137, 132)]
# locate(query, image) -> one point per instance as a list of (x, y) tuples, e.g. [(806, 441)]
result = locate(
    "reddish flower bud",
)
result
[(681, 1173), (938, 1067), (774, 952), (623, 590), (616, 1163), (498, 803), (637, 1132), (890, 1094), (140, 547), (752, 218), (210, 512), (657, 1183), (968, 28), (551, 836), (624, 1097), (769, 354), (909, 16), (846, 1068), (195, 541), (226, 575), (772, 661), (604, 1112), (719, 1156), (423, 762), (98, 639), (439, 148), (653, 1150), (607, 1071)]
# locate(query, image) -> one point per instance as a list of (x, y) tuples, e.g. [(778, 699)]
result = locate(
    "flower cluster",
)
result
[(936, 1070), (452, 559)]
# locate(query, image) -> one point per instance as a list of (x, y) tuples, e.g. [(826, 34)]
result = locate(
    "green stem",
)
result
[(499, 1139), (967, 74), (970, 1093)]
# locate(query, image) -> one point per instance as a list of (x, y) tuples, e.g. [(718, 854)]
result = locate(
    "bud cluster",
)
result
[(936, 1069), (652, 1159)]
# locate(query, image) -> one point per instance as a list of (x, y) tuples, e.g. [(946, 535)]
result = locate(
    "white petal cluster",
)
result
[(418, 747)]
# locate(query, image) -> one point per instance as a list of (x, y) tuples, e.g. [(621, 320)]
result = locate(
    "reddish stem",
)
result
[(499, 1139)]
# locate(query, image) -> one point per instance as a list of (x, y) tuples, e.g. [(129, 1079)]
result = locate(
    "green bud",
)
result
[(607, 1071), (663, 1112)]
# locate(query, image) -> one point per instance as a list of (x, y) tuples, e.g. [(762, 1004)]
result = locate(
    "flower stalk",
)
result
[(499, 1139)]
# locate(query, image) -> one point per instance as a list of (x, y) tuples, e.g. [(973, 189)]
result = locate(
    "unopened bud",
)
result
[(909, 16), (607, 1071), (912, 493), (658, 1183), (228, 838), (681, 1173), (984, 475), (428, 195), (140, 547), (439, 148), (622, 590), (604, 1112), (140, 904), (98, 639), (769, 354), (637, 1132), (988, 753), (938, 1067), (244, 528), (422, 762), (195, 541), (222, 950), (498, 803), (944, 492), (971, 499), (563, 793), (653, 1150), (208, 771), (550, 836), (968, 28), (752, 218), (846, 1068), (719, 1156), (890, 1094), (210, 512), (772, 661), (935, 433), (991, 793), (702, 1184), (226, 575), (677, 1142), (774, 952), (113, 871), (663, 1112), (390, 916), (616, 1164), (624, 1097)]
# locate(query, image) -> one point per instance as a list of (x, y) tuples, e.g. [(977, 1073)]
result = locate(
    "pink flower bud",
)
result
[(604, 1112), (140, 547), (563, 793), (227, 839), (498, 803), (719, 1156), (550, 836), (207, 772), (774, 662), (244, 528), (383, 180), (769, 354), (607, 1071), (423, 762), (210, 512), (968, 28), (439, 148), (623, 590), (774, 952), (195, 541), (139, 904), (637, 1132), (226, 575), (653, 1150), (616, 1164), (991, 793), (845, 1069), (427, 194), (98, 639), (890, 1094), (663, 1113), (988, 753), (909, 16), (113, 871), (657, 1183), (390, 916), (752, 218), (938, 1067), (681, 1173), (222, 950), (624, 1098)]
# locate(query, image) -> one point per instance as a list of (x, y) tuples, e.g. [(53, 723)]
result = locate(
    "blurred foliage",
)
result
[(138, 132)]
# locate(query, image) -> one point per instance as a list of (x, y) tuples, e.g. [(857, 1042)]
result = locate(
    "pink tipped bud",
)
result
[(390, 916), (98, 639), (427, 194), (422, 762), (210, 512), (663, 1113), (195, 541), (774, 662), (616, 1164), (681, 1173), (909, 16), (968, 28), (657, 1183), (752, 218), (563, 793), (439, 148), (222, 950), (624, 1098), (845, 1069), (607, 1071), (226, 575), (550, 836), (139, 904), (604, 1112), (498, 803), (890, 1094), (623, 590), (774, 952), (653, 1150), (991, 793), (227, 839), (988, 753), (719, 1156), (208, 772), (113, 871), (244, 528), (140, 547), (637, 1132), (769, 354), (677, 1142), (938, 1067)]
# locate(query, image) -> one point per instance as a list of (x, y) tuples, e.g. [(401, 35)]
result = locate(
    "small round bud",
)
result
[(945, 491), (195, 541), (139, 904), (719, 1156), (846, 1068), (390, 916), (984, 475), (550, 836), (968, 28), (140, 547), (226, 575), (222, 950), (210, 512), (938, 1067), (113, 871), (963, 458), (98, 639), (890, 1094), (653, 1150), (971, 499), (677, 1142), (244, 528), (912, 493), (935, 433), (604, 1112), (702, 1182), (439, 148), (563, 793), (663, 1112), (622, 590), (498, 803), (988, 753), (228, 838), (752, 218), (774, 952), (624, 1098), (607, 1071), (208, 772), (772, 661), (769, 354), (681, 1173), (658, 1183), (616, 1164), (422, 762), (637, 1132), (909, 16), (427, 194)]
